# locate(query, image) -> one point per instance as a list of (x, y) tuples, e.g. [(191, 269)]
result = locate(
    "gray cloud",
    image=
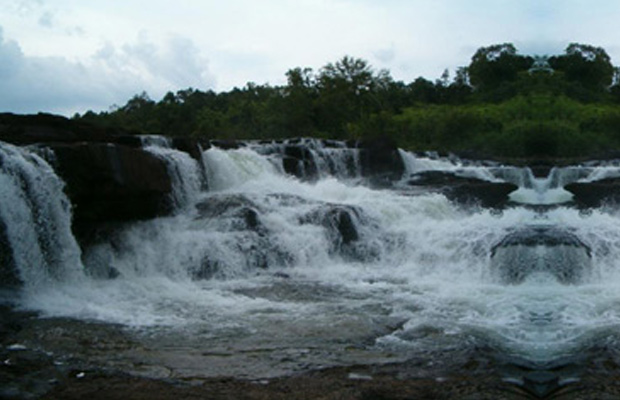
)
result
[(112, 76), (46, 19), (385, 55), (27, 7)]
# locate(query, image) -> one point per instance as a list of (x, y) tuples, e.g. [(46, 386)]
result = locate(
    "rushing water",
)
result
[(327, 271)]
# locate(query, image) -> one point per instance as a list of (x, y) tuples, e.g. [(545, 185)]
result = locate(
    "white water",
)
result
[(184, 171), (336, 160), (419, 275), (37, 217)]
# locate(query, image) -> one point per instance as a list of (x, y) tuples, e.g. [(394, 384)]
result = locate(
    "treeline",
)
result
[(502, 103)]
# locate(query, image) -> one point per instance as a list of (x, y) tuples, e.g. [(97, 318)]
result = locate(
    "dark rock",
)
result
[(344, 226), (438, 178), (594, 194), (239, 217), (464, 189), (541, 383), (47, 128), (227, 144), (245, 213), (188, 145), (9, 277), (334, 144), (381, 162), (486, 194), (541, 236), (556, 251), (541, 171), (53, 129), (108, 183), (298, 161), (339, 220)]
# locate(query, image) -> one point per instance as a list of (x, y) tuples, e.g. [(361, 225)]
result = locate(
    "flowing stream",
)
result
[(260, 274)]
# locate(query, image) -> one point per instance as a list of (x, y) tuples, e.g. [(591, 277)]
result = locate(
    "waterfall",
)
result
[(415, 164), (36, 217), (310, 158), (263, 254), (185, 172)]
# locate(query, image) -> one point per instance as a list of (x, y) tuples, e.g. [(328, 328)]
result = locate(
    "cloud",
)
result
[(46, 19), (26, 7), (385, 55), (111, 76)]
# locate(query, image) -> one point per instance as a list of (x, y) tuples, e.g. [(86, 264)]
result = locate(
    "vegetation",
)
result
[(502, 104)]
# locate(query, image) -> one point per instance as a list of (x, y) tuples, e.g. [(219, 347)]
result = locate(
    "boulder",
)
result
[(109, 177), (555, 251), (239, 218), (339, 220), (9, 277), (108, 183), (380, 161), (594, 194), (47, 128), (53, 129), (465, 190), (241, 211), (344, 226), (189, 146), (227, 144), (298, 161)]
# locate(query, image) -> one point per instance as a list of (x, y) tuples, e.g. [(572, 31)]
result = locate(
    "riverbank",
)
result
[(351, 383), (339, 383)]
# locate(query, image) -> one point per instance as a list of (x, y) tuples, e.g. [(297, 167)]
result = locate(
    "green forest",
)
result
[(502, 104)]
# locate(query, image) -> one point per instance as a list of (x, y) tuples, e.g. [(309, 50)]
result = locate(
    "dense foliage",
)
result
[(502, 103)]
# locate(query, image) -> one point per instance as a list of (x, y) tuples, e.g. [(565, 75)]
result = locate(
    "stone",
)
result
[(47, 128), (112, 183), (594, 194), (9, 277), (551, 250), (380, 161), (465, 190), (297, 160)]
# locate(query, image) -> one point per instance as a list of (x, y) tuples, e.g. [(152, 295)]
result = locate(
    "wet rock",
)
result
[(239, 218), (109, 183), (550, 250), (541, 236), (227, 144), (465, 190), (298, 161), (189, 146), (241, 209), (381, 162), (594, 194), (340, 221), (344, 225), (486, 194), (109, 178), (9, 277), (47, 128)]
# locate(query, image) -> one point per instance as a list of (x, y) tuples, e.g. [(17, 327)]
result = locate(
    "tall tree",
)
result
[(587, 65), (495, 66)]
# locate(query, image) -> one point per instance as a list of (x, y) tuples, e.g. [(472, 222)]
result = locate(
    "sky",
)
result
[(68, 56)]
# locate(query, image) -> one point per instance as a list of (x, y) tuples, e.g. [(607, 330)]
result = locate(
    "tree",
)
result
[(348, 91), (588, 68), (494, 68), (297, 107)]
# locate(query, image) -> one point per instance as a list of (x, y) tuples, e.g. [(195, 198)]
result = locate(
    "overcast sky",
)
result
[(67, 56)]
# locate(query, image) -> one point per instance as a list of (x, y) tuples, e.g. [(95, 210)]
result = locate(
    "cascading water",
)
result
[(184, 171), (313, 158), (327, 273), (36, 221)]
